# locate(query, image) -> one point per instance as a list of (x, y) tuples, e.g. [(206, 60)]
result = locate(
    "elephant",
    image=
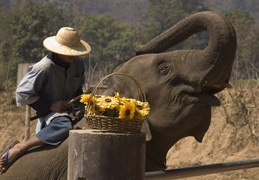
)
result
[(180, 86)]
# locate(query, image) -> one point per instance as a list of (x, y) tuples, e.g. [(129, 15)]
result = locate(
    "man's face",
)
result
[(66, 59)]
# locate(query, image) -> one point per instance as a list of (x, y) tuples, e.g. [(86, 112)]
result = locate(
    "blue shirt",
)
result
[(50, 80)]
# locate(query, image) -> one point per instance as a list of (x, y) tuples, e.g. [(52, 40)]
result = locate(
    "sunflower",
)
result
[(127, 110), (142, 108), (137, 116), (107, 102), (125, 100), (116, 106), (85, 98), (117, 95)]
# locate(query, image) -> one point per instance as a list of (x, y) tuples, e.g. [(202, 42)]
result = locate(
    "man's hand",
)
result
[(58, 106)]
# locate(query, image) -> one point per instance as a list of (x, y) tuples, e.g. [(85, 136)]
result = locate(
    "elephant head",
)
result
[(180, 84)]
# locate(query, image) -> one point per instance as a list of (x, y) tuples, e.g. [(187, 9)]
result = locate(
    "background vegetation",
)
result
[(113, 28)]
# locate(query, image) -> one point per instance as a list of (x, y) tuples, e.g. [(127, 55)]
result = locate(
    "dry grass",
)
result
[(232, 136)]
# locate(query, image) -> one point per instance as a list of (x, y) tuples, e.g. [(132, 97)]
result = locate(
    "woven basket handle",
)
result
[(141, 93), (140, 89), (145, 127)]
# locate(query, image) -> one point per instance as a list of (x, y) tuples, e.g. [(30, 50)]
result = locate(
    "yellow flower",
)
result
[(142, 108), (124, 100), (85, 98), (116, 106), (138, 116), (107, 102), (127, 111), (117, 95)]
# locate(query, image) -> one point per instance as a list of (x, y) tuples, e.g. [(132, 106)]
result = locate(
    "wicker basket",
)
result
[(114, 124)]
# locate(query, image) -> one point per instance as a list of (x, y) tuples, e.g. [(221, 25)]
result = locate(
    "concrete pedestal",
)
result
[(103, 155)]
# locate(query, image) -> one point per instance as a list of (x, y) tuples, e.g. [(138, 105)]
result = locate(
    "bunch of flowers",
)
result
[(116, 106)]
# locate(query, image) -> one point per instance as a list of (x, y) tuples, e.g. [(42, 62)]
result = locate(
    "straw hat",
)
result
[(67, 42)]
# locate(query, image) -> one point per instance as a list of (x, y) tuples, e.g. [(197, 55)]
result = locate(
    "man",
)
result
[(47, 87)]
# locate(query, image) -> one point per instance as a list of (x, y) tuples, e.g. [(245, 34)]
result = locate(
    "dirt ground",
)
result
[(232, 136)]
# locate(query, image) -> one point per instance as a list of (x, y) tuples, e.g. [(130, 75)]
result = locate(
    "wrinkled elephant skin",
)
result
[(179, 86)]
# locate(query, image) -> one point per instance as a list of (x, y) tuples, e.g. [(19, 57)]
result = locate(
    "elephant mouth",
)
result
[(190, 98), (209, 99), (205, 96)]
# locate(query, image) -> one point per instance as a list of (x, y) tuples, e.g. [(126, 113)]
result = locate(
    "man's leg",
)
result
[(53, 134), (56, 132), (18, 150)]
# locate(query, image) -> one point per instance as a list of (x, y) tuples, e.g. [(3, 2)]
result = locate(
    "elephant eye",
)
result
[(163, 69)]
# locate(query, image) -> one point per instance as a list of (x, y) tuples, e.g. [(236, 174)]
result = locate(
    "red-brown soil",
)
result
[(232, 136)]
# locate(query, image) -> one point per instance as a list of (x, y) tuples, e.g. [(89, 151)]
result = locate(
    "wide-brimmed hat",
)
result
[(67, 42)]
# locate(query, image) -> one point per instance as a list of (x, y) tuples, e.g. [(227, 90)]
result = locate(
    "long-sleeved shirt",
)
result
[(49, 80)]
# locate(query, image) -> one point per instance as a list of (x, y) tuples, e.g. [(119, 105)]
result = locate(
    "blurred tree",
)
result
[(111, 41), (29, 25), (26, 25), (247, 57), (5, 66), (163, 14), (7, 4)]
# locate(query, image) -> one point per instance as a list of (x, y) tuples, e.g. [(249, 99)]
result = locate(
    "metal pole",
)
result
[(202, 170)]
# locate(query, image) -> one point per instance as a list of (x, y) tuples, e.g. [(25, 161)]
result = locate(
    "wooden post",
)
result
[(22, 69), (27, 122), (104, 155)]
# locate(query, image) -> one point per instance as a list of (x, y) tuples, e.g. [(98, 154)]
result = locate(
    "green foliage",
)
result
[(111, 42), (163, 14), (29, 25), (247, 62), (26, 25)]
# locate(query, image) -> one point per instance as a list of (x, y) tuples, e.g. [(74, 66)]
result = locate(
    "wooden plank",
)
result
[(22, 70)]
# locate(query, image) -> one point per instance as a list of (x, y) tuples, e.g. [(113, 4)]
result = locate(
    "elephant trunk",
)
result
[(214, 63), (220, 53)]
